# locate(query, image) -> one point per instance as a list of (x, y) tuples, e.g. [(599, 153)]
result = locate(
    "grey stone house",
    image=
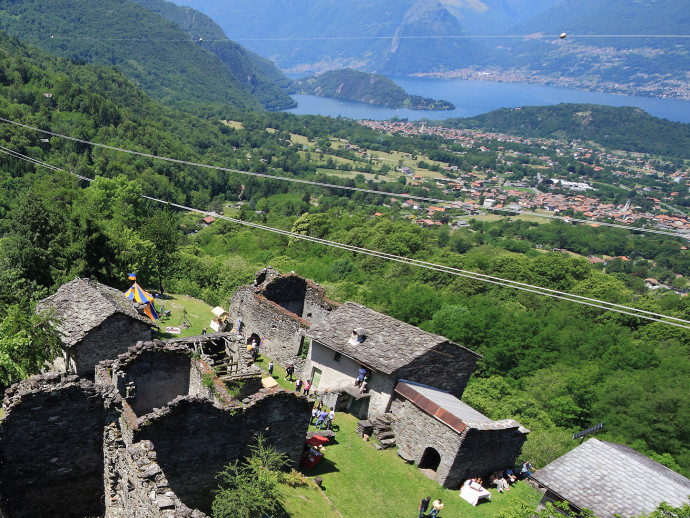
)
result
[(449, 437), (354, 336), (611, 479), (96, 323), (279, 308), (415, 380)]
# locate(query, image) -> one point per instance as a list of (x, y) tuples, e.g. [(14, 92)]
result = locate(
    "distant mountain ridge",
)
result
[(630, 59), (461, 38), (489, 17), (367, 88), (391, 38), (150, 50)]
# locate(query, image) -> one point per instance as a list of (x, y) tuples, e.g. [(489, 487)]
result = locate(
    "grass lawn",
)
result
[(307, 502), (234, 124), (359, 479), (278, 372), (299, 139), (198, 314)]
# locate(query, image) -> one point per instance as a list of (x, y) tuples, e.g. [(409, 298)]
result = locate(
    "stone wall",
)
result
[(415, 431), (282, 331), (475, 452), (446, 367), (490, 449), (194, 439), (154, 378), (51, 452), (136, 486), (105, 342), (280, 308)]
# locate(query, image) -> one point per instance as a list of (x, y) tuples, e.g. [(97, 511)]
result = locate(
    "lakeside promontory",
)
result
[(367, 88)]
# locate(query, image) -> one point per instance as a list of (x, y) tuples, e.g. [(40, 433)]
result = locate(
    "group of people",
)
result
[(303, 386), (503, 479), (436, 507), (323, 418)]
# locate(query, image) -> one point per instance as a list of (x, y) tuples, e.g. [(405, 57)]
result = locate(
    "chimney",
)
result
[(358, 336)]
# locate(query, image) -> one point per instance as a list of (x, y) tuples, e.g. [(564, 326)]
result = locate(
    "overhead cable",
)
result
[(578, 299), (533, 36), (333, 186)]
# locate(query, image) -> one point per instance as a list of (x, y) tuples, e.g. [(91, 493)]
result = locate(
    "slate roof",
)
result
[(610, 478), (389, 344), (83, 304), (450, 410)]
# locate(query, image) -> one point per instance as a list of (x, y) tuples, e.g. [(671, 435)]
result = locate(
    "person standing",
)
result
[(298, 385), (424, 505), (322, 417), (436, 507), (289, 370), (307, 386), (314, 413), (270, 368), (527, 470)]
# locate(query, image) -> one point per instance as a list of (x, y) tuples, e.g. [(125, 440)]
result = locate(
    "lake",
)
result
[(476, 97)]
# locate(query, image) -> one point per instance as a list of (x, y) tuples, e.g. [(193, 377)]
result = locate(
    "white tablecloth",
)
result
[(472, 495)]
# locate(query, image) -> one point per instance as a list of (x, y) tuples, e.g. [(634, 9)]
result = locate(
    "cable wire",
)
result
[(333, 186), (608, 306), (533, 36)]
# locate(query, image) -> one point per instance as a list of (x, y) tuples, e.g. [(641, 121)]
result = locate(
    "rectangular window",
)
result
[(337, 356)]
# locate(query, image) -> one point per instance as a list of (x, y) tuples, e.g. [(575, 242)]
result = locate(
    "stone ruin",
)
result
[(279, 308), (145, 439)]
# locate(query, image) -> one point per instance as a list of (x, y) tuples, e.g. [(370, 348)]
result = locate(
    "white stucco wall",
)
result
[(335, 375)]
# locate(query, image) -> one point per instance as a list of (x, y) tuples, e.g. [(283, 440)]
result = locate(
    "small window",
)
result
[(336, 357)]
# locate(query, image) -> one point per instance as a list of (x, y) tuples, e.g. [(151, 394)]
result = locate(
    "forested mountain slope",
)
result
[(259, 75), (625, 128), (150, 50)]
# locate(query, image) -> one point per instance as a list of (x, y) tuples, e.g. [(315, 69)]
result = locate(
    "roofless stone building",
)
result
[(279, 308), (147, 432), (145, 440)]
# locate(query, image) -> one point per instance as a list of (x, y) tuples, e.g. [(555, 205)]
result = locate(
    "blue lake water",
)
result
[(476, 97)]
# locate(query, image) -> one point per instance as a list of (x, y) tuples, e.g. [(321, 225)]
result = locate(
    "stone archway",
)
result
[(430, 459)]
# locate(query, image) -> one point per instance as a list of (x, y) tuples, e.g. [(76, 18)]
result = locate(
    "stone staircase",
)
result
[(380, 428)]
